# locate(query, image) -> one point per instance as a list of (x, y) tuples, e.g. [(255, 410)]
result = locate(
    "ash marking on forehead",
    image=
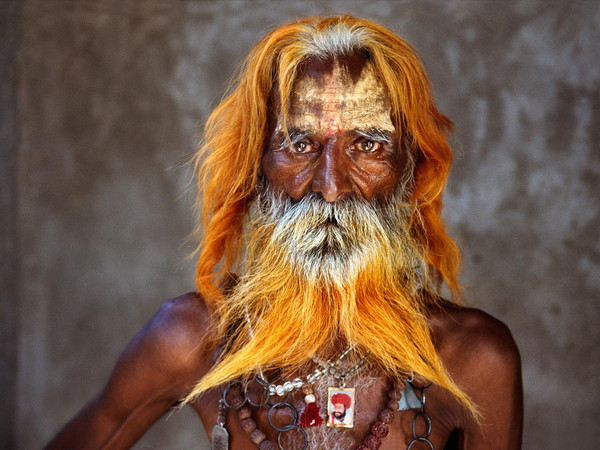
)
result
[(333, 96), (339, 96)]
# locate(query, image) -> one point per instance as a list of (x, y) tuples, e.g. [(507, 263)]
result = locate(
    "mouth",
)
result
[(330, 222)]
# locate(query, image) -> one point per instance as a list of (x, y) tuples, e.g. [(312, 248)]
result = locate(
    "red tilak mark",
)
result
[(333, 126), (310, 416)]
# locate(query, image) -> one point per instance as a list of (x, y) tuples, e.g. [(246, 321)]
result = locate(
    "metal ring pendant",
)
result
[(226, 392), (265, 393), (420, 439), (427, 421), (292, 427), (283, 405), (426, 418)]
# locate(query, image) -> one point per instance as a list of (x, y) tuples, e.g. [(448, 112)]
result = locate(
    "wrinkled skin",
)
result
[(334, 154), (332, 158)]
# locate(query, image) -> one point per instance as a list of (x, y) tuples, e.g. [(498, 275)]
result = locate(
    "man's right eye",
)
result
[(303, 146)]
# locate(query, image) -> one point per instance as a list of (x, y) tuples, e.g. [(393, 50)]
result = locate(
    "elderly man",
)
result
[(321, 177)]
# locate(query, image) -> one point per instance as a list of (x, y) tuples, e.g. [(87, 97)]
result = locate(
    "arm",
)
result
[(156, 370), (489, 370)]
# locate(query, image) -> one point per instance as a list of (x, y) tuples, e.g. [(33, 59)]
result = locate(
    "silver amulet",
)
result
[(220, 438)]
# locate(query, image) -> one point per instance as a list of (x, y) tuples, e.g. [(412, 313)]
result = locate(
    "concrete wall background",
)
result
[(8, 225), (108, 101)]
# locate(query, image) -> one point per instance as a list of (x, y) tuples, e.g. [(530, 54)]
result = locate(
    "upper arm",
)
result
[(486, 364), (156, 370)]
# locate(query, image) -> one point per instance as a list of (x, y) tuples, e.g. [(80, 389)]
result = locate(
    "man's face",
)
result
[(342, 141), (339, 411)]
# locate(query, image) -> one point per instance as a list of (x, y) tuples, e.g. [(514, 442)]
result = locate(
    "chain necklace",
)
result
[(241, 402), (421, 413), (378, 430)]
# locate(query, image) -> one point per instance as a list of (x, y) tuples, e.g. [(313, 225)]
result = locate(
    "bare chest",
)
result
[(278, 418)]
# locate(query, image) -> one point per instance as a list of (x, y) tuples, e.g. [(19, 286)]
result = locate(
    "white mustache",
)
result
[(313, 223), (331, 241)]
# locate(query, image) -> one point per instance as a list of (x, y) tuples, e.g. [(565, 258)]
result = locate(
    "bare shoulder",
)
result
[(483, 359), (175, 336), (180, 323), (169, 353), (156, 370), (473, 336)]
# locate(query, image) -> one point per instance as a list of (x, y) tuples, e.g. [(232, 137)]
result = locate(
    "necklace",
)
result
[(240, 401), (327, 367), (378, 430), (340, 400), (235, 396)]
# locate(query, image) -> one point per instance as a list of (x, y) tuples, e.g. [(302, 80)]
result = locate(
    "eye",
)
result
[(304, 146), (368, 146)]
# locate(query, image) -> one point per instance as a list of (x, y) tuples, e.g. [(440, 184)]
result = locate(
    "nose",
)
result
[(332, 178)]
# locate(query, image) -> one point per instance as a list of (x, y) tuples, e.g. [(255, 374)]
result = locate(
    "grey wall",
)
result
[(8, 232), (95, 216)]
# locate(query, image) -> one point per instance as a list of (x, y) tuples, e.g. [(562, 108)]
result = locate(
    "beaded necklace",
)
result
[(235, 396), (240, 400), (326, 367)]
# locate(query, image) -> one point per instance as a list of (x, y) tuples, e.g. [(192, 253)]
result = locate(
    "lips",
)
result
[(331, 222)]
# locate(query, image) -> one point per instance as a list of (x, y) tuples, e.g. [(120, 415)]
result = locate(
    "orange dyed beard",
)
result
[(320, 275)]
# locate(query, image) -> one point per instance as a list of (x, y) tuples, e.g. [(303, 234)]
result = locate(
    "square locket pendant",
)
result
[(340, 407)]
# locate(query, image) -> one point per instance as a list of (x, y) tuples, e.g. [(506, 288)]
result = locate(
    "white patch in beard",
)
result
[(333, 242)]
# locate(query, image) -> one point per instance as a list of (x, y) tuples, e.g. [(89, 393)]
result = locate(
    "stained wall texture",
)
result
[(109, 102), (8, 232)]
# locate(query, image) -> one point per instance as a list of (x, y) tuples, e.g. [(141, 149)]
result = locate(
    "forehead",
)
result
[(341, 94)]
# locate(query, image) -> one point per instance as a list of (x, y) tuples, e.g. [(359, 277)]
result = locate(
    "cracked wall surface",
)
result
[(109, 102)]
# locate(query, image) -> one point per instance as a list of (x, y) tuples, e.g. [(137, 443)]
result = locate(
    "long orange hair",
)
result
[(228, 162), (228, 166)]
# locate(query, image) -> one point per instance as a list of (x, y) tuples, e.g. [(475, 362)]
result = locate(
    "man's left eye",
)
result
[(368, 146)]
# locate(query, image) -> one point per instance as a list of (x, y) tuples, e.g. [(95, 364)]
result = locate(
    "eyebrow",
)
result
[(374, 134), (293, 137), (377, 135)]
